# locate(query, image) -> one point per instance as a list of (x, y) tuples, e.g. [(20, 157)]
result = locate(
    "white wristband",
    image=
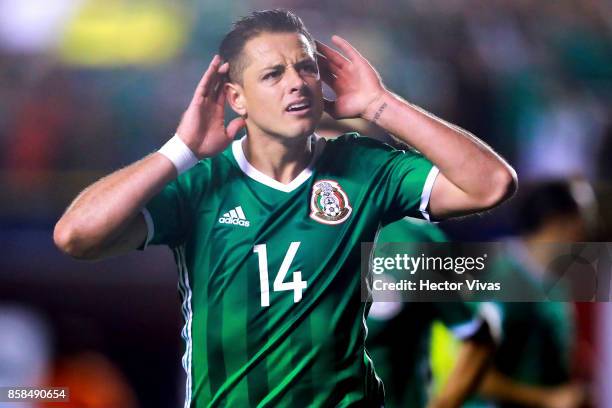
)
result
[(179, 154)]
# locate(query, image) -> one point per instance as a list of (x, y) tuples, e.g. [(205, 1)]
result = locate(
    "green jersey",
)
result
[(537, 337), (270, 272), (399, 333)]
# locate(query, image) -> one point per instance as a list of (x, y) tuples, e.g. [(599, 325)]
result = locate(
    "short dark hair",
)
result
[(256, 23), (544, 201)]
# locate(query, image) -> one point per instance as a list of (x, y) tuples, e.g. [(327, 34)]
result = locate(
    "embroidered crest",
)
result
[(329, 204)]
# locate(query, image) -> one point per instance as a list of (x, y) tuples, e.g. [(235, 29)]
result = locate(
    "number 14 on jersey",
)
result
[(297, 285)]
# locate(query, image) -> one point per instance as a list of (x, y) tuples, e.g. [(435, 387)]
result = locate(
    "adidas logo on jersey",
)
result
[(235, 217)]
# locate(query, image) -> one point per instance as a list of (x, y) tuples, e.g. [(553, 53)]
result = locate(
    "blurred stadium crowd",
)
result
[(91, 85)]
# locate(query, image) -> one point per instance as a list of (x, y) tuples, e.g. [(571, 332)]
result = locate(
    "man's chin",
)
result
[(302, 131), (292, 131)]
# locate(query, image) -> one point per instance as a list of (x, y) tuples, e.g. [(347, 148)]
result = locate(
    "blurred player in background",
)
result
[(532, 365), (399, 336), (266, 230)]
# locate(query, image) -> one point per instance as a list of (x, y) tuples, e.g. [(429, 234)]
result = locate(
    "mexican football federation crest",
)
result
[(329, 203)]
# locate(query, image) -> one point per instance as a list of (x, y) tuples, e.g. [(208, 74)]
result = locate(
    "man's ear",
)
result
[(235, 98)]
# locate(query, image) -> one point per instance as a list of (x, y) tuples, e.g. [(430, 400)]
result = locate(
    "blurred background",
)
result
[(88, 86)]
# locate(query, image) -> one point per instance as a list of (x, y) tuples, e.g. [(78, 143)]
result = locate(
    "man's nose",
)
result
[(295, 79)]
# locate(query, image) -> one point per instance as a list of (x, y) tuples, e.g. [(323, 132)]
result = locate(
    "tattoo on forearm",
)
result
[(379, 112)]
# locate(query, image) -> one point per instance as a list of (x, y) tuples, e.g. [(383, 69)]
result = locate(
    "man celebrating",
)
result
[(266, 230)]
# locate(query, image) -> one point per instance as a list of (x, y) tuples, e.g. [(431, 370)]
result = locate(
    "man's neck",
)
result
[(282, 160)]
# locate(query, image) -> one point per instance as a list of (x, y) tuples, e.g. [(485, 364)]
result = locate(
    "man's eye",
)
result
[(271, 75), (310, 68)]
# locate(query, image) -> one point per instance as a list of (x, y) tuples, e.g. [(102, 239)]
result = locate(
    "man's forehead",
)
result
[(277, 48)]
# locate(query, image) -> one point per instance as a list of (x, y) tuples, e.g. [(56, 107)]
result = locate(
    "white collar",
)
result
[(248, 169)]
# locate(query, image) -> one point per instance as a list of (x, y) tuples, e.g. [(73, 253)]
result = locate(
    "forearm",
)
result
[(464, 160), (466, 374), (103, 220), (502, 388), (100, 215)]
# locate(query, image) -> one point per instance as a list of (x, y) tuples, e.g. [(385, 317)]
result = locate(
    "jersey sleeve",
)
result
[(167, 217), (462, 320), (400, 181), (410, 180)]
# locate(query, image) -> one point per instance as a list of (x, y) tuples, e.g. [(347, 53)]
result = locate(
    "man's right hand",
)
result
[(566, 396), (105, 219), (202, 126)]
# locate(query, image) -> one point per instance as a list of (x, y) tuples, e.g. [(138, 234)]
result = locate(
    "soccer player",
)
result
[(532, 366), (266, 230), (399, 334)]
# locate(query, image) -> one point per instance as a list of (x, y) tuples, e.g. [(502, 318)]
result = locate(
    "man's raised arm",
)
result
[(105, 219), (472, 176)]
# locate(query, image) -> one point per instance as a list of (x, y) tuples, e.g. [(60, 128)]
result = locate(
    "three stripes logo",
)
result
[(235, 217)]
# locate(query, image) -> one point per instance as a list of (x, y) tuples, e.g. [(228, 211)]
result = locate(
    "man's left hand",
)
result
[(357, 85)]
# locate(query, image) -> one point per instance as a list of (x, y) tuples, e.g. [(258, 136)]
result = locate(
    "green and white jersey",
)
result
[(270, 273), (537, 338), (399, 333)]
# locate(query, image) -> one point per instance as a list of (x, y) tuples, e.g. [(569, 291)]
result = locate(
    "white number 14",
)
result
[(297, 285)]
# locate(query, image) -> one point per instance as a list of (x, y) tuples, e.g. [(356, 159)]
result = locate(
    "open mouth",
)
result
[(298, 107)]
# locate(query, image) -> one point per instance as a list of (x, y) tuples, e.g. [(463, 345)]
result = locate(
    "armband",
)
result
[(179, 154)]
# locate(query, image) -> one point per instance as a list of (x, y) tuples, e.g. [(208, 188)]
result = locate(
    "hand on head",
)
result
[(202, 126), (356, 83)]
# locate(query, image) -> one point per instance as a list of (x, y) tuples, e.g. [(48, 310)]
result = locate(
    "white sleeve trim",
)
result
[(468, 329), (427, 188), (488, 312), (150, 226), (493, 315)]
